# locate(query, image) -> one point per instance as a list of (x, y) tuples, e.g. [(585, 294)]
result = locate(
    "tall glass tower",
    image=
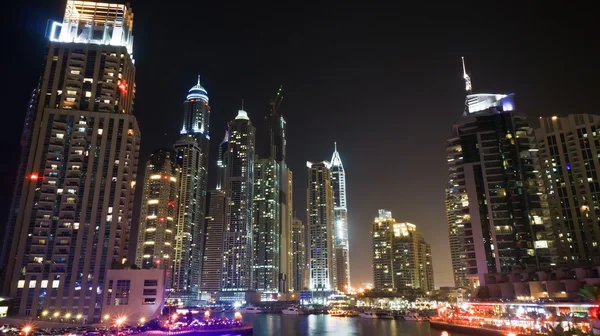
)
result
[(239, 188), (73, 203), (192, 155), (340, 220)]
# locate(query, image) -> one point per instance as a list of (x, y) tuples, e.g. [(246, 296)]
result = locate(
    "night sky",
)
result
[(384, 82)]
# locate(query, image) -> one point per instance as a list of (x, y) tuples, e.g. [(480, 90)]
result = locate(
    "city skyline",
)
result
[(426, 207)]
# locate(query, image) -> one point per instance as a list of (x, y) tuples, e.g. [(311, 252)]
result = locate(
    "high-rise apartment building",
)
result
[(401, 256), (298, 252), (215, 221), (266, 228), (496, 194), (239, 188), (340, 220), (455, 232), (156, 236), (71, 217), (320, 214), (192, 155), (569, 150)]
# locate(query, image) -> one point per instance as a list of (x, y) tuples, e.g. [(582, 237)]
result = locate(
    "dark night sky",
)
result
[(384, 82)]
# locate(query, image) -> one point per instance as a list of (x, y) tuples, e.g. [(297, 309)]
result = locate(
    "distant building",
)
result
[(73, 200), (340, 231), (455, 234), (569, 152), (156, 236), (298, 252), (401, 257), (320, 227), (239, 189), (137, 295)]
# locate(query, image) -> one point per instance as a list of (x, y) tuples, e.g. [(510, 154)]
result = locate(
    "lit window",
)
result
[(88, 80), (75, 72), (100, 131), (60, 136), (70, 99), (88, 94)]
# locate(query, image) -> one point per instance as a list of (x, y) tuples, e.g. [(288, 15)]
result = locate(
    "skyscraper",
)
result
[(298, 252), (215, 221), (239, 188), (156, 237), (266, 226), (455, 234), (338, 183), (496, 189), (401, 256), (569, 152), (192, 154), (71, 217), (319, 200)]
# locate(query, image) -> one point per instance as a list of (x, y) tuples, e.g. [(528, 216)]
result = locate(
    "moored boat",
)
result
[(368, 314)]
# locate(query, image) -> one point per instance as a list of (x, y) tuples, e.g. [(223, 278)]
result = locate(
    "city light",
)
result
[(79, 316), (238, 315), (56, 314), (27, 329), (142, 320), (106, 317), (45, 313), (33, 176)]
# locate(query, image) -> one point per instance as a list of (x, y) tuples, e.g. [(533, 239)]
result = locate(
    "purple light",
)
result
[(568, 166)]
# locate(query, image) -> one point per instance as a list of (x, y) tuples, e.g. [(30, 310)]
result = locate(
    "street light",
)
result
[(45, 313), (26, 330), (207, 314), (120, 321), (142, 320)]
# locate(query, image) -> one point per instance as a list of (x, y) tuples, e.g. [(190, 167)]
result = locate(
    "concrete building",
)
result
[(215, 224), (239, 188), (455, 232), (73, 204), (569, 150), (298, 252), (496, 190), (136, 295), (319, 200), (340, 209), (156, 236), (401, 256), (192, 154)]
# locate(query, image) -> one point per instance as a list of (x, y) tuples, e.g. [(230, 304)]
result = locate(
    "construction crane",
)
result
[(276, 102)]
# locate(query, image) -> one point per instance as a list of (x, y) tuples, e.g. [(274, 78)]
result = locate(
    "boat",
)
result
[(336, 312), (251, 310), (368, 314), (292, 311), (414, 317), (352, 313), (385, 315)]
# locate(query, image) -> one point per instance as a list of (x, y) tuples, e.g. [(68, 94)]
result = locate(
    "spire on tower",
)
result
[(198, 80), (468, 85)]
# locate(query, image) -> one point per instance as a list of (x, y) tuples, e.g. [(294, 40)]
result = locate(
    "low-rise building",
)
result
[(137, 295)]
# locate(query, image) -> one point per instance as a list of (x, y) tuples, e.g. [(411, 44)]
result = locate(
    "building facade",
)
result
[(72, 216), (569, 149), (215, 220), (298, 252), (156, 234), (340, 220), (401, 256), (192, 154), (496, 192), (455, 232), (266, 228), (320, 212), (239, 188)]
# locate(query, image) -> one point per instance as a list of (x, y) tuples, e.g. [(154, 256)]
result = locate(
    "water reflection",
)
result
[(320, 325)]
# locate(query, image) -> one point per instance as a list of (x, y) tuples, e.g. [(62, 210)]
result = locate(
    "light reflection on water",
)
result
[(321, 325)]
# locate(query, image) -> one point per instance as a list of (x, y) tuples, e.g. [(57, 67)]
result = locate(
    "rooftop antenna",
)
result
[(198, 80), (468, 85), (242, 103), (335, 146), (276, 102)]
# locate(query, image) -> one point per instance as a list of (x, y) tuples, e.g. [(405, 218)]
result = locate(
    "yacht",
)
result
[(292, 311), (385, 315), (336, 312), (368, 314), (415, 317), (251, 310), (351, 313)]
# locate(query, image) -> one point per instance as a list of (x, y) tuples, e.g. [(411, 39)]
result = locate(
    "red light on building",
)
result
[(123, 87), (165, 177), (33, 176), (172, 203), (192, 100), (162, 219)]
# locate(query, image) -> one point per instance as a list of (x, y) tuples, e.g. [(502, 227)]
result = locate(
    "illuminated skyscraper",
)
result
[(338, 183), (320, 214), (71, 217), (156, 236), (401, 257), (496, 192), (215, 221), (266, 226), (239, 188), (298, 252), (570, 156), (192, 154), (455, 234)]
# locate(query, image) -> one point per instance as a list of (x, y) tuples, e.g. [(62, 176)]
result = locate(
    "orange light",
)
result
[(444, 333), (34, 176), (175, 316), (26, 329)]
